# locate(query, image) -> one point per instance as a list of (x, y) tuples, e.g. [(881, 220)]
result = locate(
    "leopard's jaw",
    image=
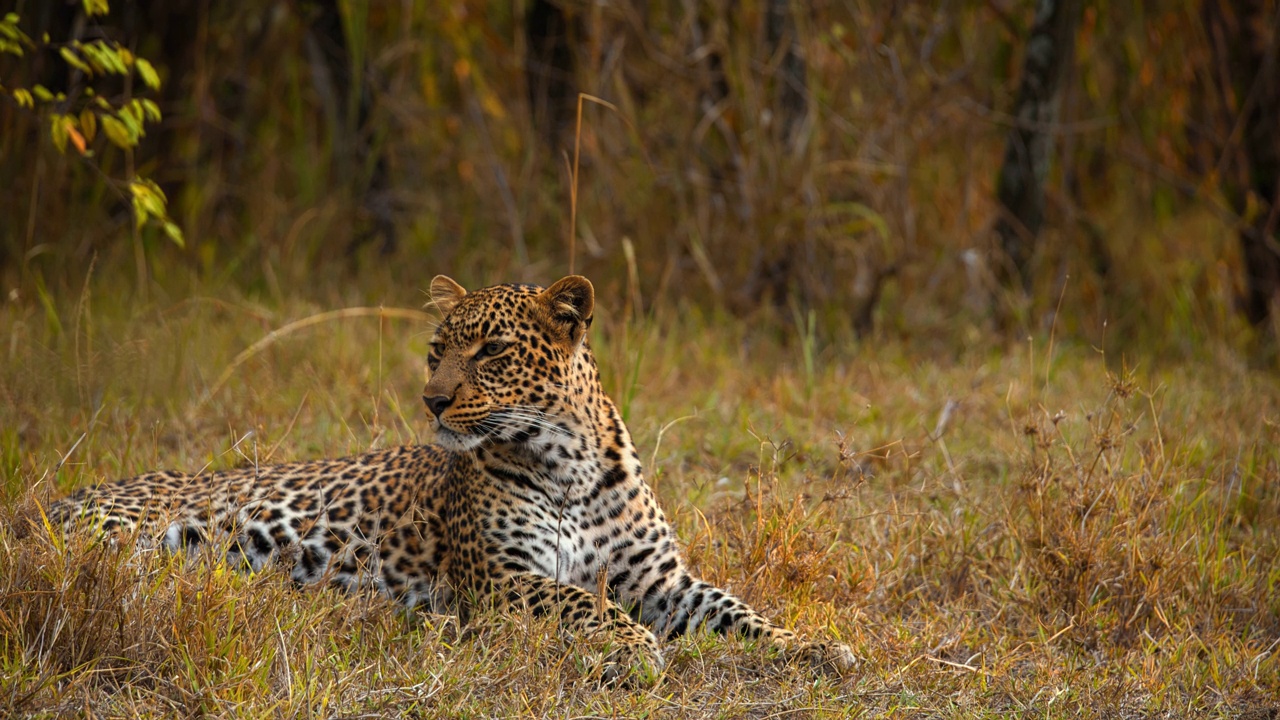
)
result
[(455, 441), (536, 442)]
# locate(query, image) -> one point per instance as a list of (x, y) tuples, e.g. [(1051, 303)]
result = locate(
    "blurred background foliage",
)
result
[(839, 165)]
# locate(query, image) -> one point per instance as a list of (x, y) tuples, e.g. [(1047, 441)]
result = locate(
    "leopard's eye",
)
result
[(433, 357), (490, 349)]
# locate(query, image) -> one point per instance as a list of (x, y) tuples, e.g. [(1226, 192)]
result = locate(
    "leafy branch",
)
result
[(80, 120)]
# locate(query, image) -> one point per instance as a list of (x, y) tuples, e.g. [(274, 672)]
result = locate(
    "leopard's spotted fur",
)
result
[(533, 495)]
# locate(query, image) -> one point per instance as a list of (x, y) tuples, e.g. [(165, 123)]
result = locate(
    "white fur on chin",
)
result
[(456, 441)]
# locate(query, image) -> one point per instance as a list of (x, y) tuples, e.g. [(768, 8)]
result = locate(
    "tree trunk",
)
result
[(352, 105), (549, 73), (781, 37), (1020, 188), (1243, 36)]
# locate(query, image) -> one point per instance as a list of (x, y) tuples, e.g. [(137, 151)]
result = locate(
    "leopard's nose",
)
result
[(437, 404)]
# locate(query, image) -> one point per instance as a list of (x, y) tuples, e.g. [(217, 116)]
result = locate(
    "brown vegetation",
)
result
[(840, 158), (1000, 532)]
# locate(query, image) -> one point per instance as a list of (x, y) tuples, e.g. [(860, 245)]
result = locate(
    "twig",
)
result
[(653, 458), (573, 179), (960, 666), (274, 335)]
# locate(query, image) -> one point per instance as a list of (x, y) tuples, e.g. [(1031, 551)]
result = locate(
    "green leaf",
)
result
[(175, 233), (50, 308), (23, 98), (96, 7), (149, 202), (88, 124), (42, 93), (132, 121), (131, 114), (13, 34), (139, 212), (152, 110), (58, 130), (100, 57), (155, 206), (75, 61), (113, 58), (118, 133), (147, 72)]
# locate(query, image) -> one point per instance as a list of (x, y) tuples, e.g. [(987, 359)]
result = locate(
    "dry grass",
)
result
[(1070, 539)]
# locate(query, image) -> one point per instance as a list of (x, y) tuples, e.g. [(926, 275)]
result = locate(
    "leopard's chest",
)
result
[(572, 539)]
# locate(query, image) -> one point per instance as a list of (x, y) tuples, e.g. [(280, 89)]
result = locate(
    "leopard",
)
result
[(532, 497)]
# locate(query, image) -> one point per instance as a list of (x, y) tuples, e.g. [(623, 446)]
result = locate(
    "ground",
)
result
[(997, 528)]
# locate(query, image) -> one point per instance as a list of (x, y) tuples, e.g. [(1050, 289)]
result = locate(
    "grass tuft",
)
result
[(990, 538)]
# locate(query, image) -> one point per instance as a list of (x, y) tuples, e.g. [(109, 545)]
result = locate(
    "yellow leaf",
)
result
[(118, 133), (147, 73), (23, 98), (175, 233), (139, 212), (132, 121), (131, 114), (58, 131), (115, 59), (88, 124), (96, 7), (75, 61), (149, 200), (152, 110)]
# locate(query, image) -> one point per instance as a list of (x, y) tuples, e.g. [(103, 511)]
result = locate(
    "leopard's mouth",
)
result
[(502, 426)]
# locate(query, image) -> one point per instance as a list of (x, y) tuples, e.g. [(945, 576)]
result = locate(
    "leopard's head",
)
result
[(506, 362)]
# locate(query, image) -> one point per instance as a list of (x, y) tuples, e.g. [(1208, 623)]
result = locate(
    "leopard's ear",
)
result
[(445, 293), (570, 301)]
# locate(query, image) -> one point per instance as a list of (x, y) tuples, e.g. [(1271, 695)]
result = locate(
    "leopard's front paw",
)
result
[(633, 665)]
